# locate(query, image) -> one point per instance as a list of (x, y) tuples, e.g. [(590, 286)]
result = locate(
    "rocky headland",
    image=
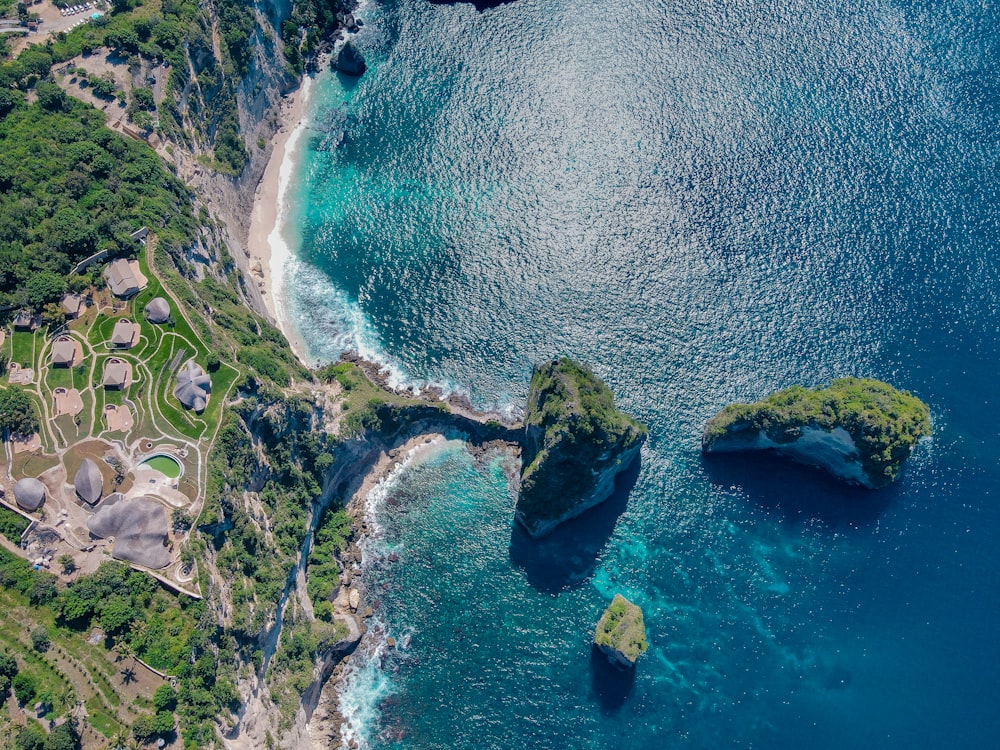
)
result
[(859, 430), (575, 443), (621, 633)]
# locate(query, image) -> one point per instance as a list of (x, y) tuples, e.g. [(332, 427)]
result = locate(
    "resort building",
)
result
[(63, 352), (125, 334), (29, 493), (139, 528), (120, 278), (193, 386), (88, 482), (72, 305), (25, 321), (158, 310), (115, 374)]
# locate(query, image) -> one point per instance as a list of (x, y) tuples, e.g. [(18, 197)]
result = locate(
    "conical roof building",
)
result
[(158, 310), (29, 493), (88, 482), (193, 386)]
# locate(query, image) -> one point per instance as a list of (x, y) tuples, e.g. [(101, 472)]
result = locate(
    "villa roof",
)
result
[(193, 386), (121, 279), (24, 319), (88, 482), (29, 493), (63, 351), (158, 310), (71, 304), (139, 527), (115, 373), (123, 333)]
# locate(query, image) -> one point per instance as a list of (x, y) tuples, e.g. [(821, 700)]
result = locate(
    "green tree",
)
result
[(30, 737), (24, 687), (50, 96), (116, 613), (40, 640), (8, 667), (63, 737), (67, 563), (164, 698), (18, 414), (46, 286), (53, 314), (144, 728)]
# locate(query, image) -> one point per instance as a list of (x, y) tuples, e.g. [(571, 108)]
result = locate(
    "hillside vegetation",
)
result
[(884, 423), (575, 436)]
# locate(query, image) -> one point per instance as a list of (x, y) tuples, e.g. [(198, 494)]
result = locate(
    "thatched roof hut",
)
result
[(158, 310), (72, 304), (193, 386), (123, 336), (63, 352), (120, 278), (115, 373)]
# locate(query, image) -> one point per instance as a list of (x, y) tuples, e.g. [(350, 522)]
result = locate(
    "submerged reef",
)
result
[(859, 430), (576, 443)]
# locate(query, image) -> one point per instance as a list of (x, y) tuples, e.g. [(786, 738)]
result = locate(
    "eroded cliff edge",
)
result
[(576, 443), (859, 430)]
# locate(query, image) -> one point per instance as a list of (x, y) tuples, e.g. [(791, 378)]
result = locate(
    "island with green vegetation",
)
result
[(576, 443), (621, 632), (860, 430)]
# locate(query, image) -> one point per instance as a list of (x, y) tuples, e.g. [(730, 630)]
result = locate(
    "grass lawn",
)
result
[(59, 377), (23, 348)]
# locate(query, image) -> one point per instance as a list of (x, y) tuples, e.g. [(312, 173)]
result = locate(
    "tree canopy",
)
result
[(18, 413)]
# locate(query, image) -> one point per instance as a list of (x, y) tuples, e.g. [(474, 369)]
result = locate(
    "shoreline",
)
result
[(269, 251)]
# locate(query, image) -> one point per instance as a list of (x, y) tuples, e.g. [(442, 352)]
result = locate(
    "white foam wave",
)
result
[(281, 251), (366, 684)]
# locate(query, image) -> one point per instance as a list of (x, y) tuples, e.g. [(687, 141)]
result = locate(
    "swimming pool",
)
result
[(167, 465)]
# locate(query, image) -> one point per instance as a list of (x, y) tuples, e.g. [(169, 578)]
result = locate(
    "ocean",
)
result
[(706, 202)]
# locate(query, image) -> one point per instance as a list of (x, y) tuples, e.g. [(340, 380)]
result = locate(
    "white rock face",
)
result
[(834, 451)]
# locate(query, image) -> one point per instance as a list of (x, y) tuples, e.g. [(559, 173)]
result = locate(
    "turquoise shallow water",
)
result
[(705, 202)]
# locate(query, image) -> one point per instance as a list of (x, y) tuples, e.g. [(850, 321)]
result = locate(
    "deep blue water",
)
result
[(706, 202)]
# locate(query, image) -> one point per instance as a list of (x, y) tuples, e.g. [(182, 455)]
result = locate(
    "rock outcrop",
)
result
[(859, 430), (576, 443), (350, 60), (621, 632)]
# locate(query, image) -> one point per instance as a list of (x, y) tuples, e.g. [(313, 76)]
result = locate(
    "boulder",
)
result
[(350, 61), (576, 443)]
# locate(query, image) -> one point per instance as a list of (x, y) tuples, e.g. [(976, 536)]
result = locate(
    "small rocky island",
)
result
[(859, 430), (621, 632), (576, 442), (350, 60)]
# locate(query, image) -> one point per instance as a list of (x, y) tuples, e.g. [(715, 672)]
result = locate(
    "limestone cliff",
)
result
[(621, 632), (859, 430), (576, 442)]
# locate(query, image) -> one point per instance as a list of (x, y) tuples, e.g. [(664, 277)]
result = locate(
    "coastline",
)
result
[(269, 251)]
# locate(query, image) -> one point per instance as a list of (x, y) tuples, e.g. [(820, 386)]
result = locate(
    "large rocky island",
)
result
[(860, 430), (576, 442), (621, 633)]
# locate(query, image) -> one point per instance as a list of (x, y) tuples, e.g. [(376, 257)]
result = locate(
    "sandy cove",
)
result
[(268, 249)]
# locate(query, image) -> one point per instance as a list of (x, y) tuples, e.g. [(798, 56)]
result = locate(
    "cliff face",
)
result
[(859, 430), (576, 442)]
